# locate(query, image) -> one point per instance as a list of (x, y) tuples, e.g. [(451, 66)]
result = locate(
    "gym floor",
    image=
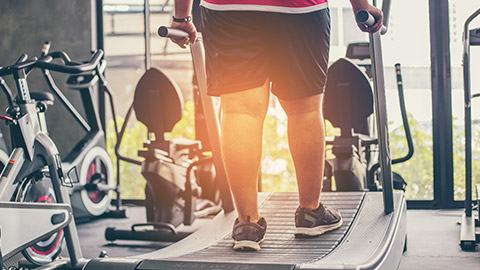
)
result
[(433, 237)]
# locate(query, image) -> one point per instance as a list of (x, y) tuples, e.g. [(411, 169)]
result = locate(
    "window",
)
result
[(459, 12)]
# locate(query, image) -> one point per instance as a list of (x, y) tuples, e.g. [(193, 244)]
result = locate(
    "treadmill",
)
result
[(372, 236)]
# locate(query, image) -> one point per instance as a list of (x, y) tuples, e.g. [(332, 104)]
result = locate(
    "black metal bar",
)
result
[(65, 101), (99, 23), (424, 204), (468, 114), (119, 141), (146, 21), (90, 108), (100, 38), (403, 110), (441, 103)]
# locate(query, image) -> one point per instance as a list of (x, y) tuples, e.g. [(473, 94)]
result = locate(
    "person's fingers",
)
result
[(190, 29), (362, 27), (181, 42), (378, 15), (378, 24), (193, 37)]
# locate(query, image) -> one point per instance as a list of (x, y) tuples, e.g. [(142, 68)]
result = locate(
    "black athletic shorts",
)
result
[(244, 49)]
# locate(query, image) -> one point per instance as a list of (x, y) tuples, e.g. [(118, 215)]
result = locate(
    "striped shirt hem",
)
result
[(290, 10)]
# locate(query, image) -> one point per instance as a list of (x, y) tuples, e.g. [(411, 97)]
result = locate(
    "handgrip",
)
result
[(168, 32), (46, 47), (367, 19), (398, 71)]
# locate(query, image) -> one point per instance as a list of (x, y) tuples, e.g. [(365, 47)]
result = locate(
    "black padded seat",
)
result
[(42, 96), (158, 102), (348, 97)]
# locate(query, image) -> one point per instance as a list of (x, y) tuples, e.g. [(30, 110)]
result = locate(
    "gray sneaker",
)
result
[(248, 235), (316, 222)]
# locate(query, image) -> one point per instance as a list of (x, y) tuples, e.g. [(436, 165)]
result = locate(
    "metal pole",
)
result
[(468, 114), (382, 121), (441, 104), (146, 23), (381, 112)]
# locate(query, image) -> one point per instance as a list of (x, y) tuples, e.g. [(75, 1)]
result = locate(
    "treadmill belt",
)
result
[(280, 246)]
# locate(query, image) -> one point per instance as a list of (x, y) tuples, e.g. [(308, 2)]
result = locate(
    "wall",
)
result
[(24, 26)]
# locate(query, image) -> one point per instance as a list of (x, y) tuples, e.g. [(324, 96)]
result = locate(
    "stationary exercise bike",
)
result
[(348, 106), (35, 212), (91, 197), (180, 176)]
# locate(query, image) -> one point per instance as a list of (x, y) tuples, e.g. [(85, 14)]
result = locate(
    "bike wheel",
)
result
[(97, 169), (41, 191)]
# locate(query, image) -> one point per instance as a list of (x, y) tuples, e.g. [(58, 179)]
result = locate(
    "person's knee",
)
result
[(252, 102)]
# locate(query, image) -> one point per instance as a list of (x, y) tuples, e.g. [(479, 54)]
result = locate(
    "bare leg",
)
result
[(306, 138), (243, 114)]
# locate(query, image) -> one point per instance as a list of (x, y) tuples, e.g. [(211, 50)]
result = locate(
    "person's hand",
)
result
[(190, 29), (377, 15)]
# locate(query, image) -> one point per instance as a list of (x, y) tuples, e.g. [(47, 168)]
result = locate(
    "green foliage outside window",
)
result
[(277, 167)]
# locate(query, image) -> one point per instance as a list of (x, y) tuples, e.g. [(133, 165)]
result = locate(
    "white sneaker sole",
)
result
[(247, 245), (319, 230)]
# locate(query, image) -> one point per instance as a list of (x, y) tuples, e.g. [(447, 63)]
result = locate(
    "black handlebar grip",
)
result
[(46, 47), (367, 19), (22, 58), (96, 57), (168, 32), (398, 71)]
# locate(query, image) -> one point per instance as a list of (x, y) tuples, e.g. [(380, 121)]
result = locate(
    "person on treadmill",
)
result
[(254, 47)]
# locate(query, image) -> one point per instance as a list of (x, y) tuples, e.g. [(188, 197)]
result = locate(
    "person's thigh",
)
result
[(302, 105), (235, 46), (299, 55), (252, 102)]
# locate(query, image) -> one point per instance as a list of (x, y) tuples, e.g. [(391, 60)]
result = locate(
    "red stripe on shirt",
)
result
[(276, 3)]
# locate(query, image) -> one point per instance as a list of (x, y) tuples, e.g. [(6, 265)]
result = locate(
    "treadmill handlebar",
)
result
[(169, 32), (367, 19)]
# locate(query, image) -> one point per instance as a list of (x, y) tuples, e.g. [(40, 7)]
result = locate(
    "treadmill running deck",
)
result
[(280, 246)]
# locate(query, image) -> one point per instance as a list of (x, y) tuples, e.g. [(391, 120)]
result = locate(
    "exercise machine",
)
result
[(348, 106), (92, 196), (372, 237), (180, 176), (35, 211), (470, 220)]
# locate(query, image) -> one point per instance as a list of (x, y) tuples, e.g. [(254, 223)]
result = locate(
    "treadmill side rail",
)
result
[(375, 241)]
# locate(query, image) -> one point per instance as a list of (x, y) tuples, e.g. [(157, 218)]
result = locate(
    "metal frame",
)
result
[(441, 105)]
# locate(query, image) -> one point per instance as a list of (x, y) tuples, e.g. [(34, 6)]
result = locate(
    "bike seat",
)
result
[(42, 96), (158, 102), (348, 100)]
